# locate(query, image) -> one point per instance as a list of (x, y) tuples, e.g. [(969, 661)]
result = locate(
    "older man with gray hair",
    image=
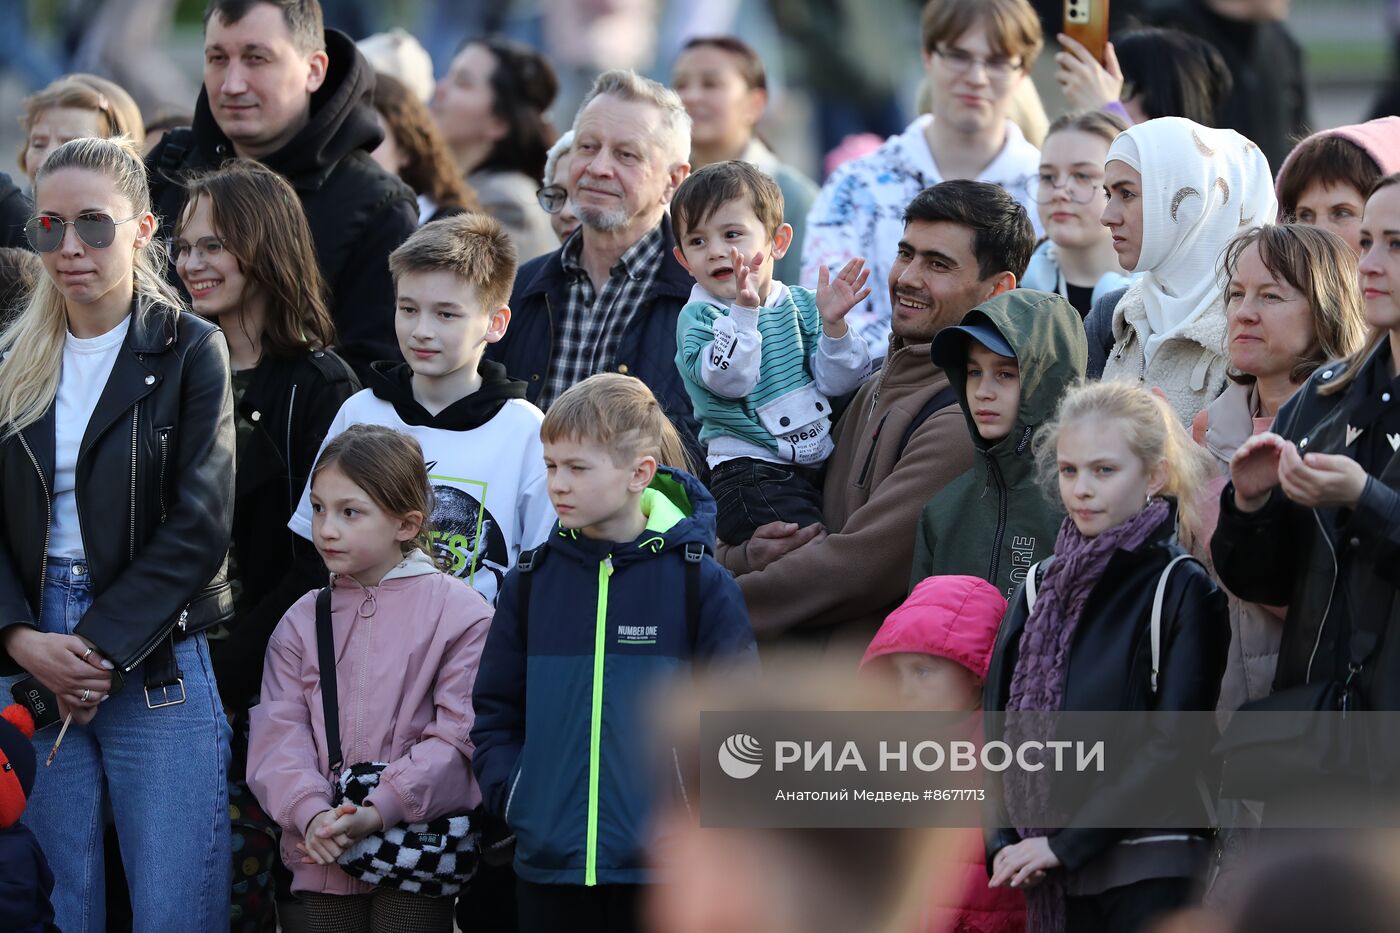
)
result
[(608, 299)]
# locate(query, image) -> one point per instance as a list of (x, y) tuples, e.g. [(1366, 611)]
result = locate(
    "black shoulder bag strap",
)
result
[(325, 652), (938, 402)]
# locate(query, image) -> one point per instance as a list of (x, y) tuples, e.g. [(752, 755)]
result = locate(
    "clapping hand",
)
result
[(1254, 469), (745, 278), (1321, 481)]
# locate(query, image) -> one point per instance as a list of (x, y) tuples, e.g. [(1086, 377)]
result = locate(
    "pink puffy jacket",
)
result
[(955, 617), (405, 663)]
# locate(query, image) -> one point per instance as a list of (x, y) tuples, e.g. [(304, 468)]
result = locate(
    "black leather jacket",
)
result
[(155, 495), (1330, 567)]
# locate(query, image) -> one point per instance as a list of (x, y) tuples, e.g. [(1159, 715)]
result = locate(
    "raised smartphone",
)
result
[(1086, 22)]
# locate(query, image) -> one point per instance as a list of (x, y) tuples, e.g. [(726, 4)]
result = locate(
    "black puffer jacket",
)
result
[(1328, 566), (290, 403), (1110, 666), (358, 212), (154, 488)]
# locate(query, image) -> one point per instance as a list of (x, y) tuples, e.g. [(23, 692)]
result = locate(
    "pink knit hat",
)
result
[(1380, 139), (950, 617)]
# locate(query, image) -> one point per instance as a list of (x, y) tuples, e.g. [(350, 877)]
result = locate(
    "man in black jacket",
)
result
[(282, 89)]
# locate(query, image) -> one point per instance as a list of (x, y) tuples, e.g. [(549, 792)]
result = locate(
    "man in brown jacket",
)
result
[(899, 441)]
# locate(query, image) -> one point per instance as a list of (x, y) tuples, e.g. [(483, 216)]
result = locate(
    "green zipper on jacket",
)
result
[(600, 645)]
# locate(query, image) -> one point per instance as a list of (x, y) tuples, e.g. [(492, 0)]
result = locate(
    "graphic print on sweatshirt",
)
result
[(489, 495), (466, 538)]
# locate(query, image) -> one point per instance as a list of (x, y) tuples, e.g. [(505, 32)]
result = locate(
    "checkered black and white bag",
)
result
[(436, 858)]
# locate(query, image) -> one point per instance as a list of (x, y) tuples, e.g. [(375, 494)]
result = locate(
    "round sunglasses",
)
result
[(97, 230)]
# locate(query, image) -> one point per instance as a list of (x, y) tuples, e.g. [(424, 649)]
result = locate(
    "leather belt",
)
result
[(164, 684)]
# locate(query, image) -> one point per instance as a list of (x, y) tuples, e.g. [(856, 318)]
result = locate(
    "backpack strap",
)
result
[(1157, 601), (325, 652), (938, 402), (1033, 582), (526, 564), (176, 143), (694, 554), (168, 187)]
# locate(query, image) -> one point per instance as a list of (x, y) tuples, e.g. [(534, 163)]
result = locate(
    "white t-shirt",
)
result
[(87, 362), (490, 499)]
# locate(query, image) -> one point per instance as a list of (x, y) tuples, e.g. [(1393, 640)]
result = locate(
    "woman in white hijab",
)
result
[(1177, 193)]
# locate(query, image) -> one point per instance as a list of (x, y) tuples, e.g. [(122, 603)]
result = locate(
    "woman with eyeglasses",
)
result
[(116, 460), (1077, 258), (553, 196), (244, 253), (491, 107)]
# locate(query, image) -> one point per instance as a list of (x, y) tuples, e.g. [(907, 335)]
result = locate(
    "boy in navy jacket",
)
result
[(622, 596)]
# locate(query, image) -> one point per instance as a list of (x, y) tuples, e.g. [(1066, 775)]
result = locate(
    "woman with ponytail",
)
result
[(1125, 471), (116, 457)]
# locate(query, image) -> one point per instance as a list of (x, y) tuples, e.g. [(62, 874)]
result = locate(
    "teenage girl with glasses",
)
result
[(116, 457), (1077, 258)]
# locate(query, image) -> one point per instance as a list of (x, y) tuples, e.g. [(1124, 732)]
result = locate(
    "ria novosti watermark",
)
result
[(1129, 770), (741, 756)]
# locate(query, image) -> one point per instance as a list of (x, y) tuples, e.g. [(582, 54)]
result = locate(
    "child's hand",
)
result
[(354, 823), (836, 297), (745, 278), (319, 847), (331, 832)]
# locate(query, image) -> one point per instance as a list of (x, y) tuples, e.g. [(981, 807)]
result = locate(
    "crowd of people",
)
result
[(372, 453)]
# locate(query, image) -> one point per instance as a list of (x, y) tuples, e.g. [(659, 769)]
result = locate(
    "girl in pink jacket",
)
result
[(937, 646), (408, 640)]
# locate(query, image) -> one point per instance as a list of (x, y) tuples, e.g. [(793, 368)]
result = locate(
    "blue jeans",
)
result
[(163, 773)]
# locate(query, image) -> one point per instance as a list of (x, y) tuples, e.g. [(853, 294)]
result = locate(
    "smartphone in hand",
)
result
[(1086, 22), (38, 699)]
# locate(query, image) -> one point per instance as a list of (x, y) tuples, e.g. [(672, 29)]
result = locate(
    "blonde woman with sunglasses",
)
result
[(116, 457)]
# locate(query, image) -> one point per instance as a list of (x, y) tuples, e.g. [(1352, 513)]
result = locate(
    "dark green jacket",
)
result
[(996, 519)]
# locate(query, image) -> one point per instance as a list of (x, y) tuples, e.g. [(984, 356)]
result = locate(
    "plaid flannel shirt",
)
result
[(592, 324)]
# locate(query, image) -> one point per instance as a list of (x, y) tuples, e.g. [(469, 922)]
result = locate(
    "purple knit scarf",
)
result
[(1038, 683)]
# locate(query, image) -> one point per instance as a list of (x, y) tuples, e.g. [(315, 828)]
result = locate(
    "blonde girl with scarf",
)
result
[(1124, 470), (1177, 193)]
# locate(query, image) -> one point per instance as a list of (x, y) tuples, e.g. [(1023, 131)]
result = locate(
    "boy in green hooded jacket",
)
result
[(1009, 361)]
